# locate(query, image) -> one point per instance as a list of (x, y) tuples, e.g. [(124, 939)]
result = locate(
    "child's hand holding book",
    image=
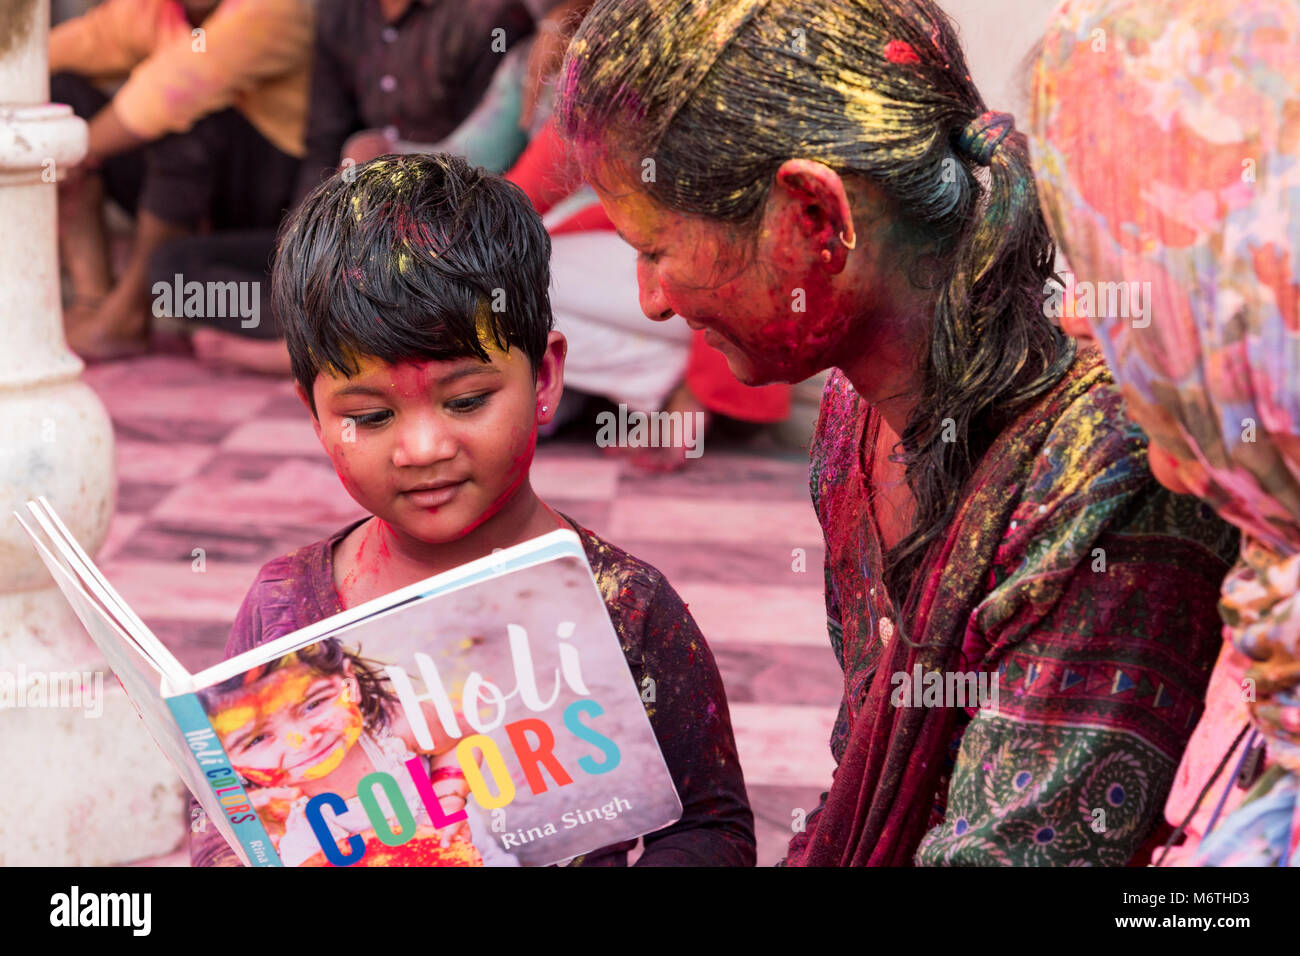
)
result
[(452, 790)]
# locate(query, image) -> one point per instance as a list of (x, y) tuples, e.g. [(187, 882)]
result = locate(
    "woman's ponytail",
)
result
[(992, 349)]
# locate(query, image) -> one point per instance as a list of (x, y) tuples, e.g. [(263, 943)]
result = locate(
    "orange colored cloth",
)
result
[(252, 55)]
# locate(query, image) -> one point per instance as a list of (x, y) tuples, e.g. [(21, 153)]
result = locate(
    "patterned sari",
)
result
[(1189, 191), (1081, 590)]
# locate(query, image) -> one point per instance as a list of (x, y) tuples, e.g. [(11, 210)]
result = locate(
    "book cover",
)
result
[(517, 682)]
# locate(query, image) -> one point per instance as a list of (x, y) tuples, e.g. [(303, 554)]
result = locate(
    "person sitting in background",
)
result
[(207, 129), (1205, 226), (385, 72)]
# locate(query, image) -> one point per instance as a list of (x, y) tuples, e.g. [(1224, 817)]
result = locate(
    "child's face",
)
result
[(292, 726), (436, 449)]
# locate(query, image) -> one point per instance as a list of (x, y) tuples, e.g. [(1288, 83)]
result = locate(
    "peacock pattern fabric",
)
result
[(1081, 591)]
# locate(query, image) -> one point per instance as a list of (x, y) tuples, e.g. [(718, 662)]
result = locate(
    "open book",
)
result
[(336, 745)]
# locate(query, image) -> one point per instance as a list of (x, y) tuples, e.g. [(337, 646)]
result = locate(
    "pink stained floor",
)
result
[(227, 463)]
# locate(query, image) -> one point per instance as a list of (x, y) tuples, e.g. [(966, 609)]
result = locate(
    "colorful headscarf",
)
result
[(1166, 138)]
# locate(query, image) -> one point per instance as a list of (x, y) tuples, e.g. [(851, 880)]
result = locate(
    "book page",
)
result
[(139, 679), (96, 587)]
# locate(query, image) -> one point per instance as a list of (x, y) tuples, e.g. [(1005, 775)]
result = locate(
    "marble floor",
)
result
[(228, 462)]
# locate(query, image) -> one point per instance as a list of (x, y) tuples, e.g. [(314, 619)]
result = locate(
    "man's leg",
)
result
[(244, 258), (222, 171), (252, 196), (83, 238), (119, 327)]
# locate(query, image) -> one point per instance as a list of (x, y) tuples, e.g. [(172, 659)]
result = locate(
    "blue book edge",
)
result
[(206, 749)]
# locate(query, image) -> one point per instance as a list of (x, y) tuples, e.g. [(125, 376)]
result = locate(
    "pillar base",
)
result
[(85, 784), (86, 791)]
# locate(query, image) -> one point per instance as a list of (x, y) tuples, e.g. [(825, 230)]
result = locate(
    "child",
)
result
[(413, 293), (289, 728)]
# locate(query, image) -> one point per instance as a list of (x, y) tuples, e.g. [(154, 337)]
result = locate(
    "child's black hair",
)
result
[(326, 658), (411, 257)]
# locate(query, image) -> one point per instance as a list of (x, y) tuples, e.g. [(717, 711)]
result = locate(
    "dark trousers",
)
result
[(223, 257), (222, 172)]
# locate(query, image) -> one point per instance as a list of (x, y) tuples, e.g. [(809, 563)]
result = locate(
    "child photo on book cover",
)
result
[(321, 720)]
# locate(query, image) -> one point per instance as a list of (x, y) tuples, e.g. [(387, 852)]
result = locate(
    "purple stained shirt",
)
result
[(660, 640)]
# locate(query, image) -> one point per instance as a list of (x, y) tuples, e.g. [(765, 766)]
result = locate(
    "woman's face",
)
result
[(772, 306)]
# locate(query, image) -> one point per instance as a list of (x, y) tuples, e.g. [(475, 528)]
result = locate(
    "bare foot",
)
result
[(83, 235), (110, 331), (664, 460), (81, 310), (226, 350)]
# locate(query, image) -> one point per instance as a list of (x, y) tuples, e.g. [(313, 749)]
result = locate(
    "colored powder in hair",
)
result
[(900, 51), (483, 326), (862, 104)]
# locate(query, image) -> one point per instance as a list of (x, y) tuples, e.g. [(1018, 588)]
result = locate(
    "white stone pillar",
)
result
[(79, 790)]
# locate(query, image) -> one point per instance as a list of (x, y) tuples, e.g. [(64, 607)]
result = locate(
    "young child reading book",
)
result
[(413, 294), (318, 720)]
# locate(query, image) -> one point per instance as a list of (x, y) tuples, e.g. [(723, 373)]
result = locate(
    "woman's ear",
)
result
[(550, 377), (810, 210)]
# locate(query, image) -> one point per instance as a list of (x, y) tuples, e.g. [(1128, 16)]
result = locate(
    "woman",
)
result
[(800, 179), (1208, 217)]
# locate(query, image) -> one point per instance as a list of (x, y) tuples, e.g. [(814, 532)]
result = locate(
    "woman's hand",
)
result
[(366, 145), (554, 32)]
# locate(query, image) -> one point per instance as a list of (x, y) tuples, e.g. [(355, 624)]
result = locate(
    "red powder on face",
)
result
[(519, 468), (411, 379), (341, 469), (900, 51)]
